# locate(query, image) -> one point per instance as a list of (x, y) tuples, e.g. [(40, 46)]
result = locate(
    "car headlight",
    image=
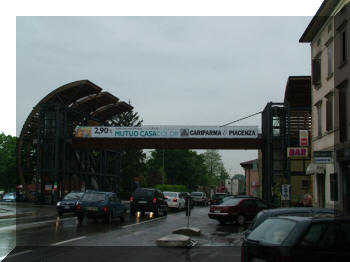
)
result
[(58, 204)]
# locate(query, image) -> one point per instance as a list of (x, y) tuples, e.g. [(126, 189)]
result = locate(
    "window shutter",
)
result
[(316, 71)]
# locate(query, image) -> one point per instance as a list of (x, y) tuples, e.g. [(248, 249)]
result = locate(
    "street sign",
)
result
[(297, 152), (285, 192), (323, 157)]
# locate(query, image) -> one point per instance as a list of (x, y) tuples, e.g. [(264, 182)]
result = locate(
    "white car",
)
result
[(175, 200)]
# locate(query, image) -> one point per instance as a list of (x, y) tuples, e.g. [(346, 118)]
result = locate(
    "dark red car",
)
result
[(240, 210)]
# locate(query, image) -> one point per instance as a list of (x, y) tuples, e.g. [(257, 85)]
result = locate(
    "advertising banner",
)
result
[(303, 138), (182, 132)]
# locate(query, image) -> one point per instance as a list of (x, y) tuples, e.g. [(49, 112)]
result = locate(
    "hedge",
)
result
[(172, 188)]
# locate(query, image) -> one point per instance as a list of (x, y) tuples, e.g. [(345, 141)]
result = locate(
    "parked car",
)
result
[(175, 200), (240, 210), (9, 197), (69, 203), (290, 211), (217, 198), (100, 205), (148, 200), (199, 198), (295, 238)]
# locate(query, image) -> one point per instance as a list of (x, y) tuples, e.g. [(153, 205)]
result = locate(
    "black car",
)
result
[(295, 238), (100, 205), (69, 203), (290, 211), (148, 200), (217, 198)]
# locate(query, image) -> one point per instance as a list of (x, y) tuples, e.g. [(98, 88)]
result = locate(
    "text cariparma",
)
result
[(199, 132)]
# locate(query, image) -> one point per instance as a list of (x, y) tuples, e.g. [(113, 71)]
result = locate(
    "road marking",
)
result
[(26, 225), (143, 222), (16, 254), (66, 241)]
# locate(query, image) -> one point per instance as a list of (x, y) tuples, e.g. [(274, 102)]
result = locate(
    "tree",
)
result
[(7, 162), (181, 167), (215, 167)]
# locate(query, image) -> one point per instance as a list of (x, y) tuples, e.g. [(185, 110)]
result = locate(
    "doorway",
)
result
[(321, 190)]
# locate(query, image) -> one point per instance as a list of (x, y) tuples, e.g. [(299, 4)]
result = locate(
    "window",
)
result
[(330, 59), (316, 71), (334, 186), (342, 114), (319, 119), (312, 237), (305, 184), (329, 112), (343, 43)]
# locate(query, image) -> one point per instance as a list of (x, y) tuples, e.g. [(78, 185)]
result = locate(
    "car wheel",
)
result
[(80, 219), (156, 214), (241, 219), (122, 219), (222, 222), (165, 212)]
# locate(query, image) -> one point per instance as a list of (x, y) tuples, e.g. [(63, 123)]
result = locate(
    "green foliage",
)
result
[(181, 167), (216, 172), (7, 162), (172, 188)]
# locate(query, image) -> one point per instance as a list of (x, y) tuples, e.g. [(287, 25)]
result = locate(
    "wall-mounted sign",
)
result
[(323, 157), (182, 132), (285, 192), (297, 152), (303, 138)]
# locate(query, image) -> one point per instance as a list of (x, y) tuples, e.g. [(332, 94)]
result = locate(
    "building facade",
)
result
[(251, 177), (342, 109), (321, 33)]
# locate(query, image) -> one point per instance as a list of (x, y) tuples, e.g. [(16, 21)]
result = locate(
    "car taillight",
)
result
[(131, 199), (154, 200), (175, 199), (78, 207), (105, 209)]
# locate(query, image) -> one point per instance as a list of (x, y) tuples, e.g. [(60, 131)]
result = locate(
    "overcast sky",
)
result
[(174, 70)]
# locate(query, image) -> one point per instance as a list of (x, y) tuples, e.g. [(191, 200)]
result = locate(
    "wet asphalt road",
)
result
[(31, 239)]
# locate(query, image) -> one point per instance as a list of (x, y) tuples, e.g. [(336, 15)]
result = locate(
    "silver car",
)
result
[(199, 198)]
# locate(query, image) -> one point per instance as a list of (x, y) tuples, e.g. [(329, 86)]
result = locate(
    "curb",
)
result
[(17, 215)]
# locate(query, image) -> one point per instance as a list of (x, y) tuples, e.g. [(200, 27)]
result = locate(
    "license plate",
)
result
[(142, 202), (91, 208), (66, 207), (254, 259), (216, 211)]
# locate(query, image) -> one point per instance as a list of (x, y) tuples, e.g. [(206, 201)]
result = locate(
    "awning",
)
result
[(315, 169)]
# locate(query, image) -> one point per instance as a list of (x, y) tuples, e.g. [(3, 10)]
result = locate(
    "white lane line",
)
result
[(143, 222), (66, 241), (17, 254), (26, 225)]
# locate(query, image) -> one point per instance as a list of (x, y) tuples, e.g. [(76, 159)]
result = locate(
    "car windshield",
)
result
[(170, 194), (73, 196), (196, 194), (256, 221), (92, 197), (144, 193), (9, 195), (272, 231), (231, 201)]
